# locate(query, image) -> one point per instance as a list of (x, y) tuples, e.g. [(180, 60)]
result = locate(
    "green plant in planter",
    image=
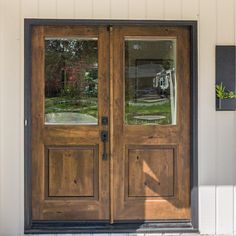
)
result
[(223, 93)]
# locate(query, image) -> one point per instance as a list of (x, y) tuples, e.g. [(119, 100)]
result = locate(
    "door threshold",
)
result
[(61, 227)]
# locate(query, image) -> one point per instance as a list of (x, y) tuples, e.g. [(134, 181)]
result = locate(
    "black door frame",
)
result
[(177, 226)]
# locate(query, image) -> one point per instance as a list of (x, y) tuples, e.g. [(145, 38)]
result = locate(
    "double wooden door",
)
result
[(110, 123)]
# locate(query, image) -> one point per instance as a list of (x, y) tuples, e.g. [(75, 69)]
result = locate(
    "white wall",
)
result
[(217, 130)]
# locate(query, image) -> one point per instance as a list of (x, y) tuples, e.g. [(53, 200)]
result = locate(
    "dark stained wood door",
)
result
[(150, 123), (137, 77), (70, 94)]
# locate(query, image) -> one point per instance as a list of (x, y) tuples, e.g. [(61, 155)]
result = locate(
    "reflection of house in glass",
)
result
[(150, 82)]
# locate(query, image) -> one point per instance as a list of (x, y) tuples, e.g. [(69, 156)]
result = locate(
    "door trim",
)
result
[(179, 226)]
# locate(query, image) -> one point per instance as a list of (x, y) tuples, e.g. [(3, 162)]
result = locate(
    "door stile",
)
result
[(111, 46), (103, 108)]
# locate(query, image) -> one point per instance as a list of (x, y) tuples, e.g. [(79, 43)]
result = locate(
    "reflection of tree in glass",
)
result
[(70, 67), (71, 76)]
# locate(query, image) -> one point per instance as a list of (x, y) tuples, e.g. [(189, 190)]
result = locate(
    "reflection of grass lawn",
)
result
[(155, 108), (63, 104), (89, 106)]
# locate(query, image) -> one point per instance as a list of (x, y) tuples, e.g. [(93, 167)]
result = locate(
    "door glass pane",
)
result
[(71, 81), (150, 81)]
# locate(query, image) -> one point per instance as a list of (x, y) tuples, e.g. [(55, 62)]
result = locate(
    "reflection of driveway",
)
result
[(69, 118)]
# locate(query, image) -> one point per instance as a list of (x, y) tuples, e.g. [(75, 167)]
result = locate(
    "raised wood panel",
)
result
[(72, 171), (151, 171)]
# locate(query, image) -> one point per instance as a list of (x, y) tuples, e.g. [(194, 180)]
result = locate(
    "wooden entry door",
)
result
[(151, 123), (70, 95), (110, 123)]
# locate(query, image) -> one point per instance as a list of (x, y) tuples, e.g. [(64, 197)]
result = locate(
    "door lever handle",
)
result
[(104, 138)]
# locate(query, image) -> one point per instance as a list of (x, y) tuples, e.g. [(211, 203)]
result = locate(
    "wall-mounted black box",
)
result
[(225, 74)]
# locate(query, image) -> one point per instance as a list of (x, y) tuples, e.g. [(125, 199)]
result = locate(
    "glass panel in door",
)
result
[(71, 81), (150, 81)]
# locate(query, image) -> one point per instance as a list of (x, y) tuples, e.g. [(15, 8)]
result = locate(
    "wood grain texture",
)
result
[(72, 171), (179, 206), (150, 171), (57, 173)]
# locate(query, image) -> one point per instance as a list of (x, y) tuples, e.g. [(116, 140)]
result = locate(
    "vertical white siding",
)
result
[(83, 9), (155, 9), (226, 139), (10, 126), (217, 130), (47, 8), (119, 9), (1, 99), (207, 120), (173, 9), (137, 9), (65, 9), (101, 9)]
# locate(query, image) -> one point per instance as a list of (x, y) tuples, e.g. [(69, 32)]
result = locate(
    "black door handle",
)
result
[(104, 138)]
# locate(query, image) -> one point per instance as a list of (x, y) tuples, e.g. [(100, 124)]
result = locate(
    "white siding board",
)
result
[(190, 9), (207, 210), (155, 9), (207, 120), (83, 9), (119, 9), (225, 143), (217, 130), (47, 8), (173, 9), (234, 215), (10, 169), (101, 9), (65, 9), (137, 9), (1, 104), (224, 212), (29, 8)]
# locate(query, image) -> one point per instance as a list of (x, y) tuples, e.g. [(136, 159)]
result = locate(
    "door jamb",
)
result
[(179, 226)]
